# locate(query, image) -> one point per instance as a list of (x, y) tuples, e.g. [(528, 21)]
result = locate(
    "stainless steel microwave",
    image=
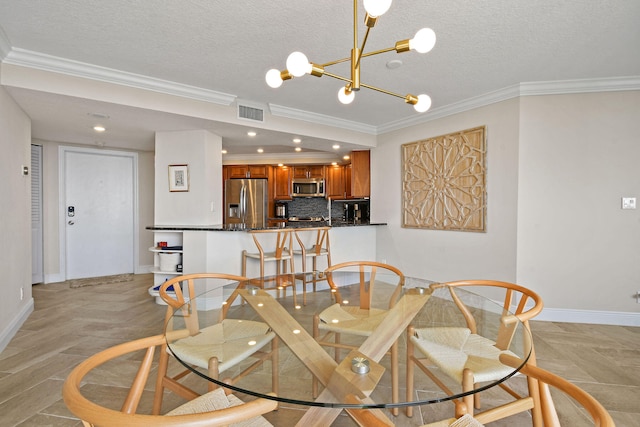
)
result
[(308, 187)]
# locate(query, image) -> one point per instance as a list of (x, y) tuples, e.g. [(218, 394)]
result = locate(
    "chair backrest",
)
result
[(189, 307), (93, 413), (599, 414), (321, 239), (366, 268), (283, 242), (519, 304)]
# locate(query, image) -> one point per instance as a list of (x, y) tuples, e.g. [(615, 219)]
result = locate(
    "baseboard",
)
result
[(619, 318), (57, 277), (15, 324), (144, 269), (54, 278)]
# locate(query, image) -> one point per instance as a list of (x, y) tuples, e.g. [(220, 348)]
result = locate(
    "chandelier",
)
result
[(298, 65)]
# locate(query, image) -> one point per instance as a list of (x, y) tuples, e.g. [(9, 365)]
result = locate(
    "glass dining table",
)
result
[(357, 378)]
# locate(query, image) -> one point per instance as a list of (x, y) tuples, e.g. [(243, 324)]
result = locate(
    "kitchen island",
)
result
[(218, 248)]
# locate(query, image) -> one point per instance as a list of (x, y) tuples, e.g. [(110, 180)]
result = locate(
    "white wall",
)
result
[(579, 155), (202, 204), (452, 255), (557, 166), (15, 215)]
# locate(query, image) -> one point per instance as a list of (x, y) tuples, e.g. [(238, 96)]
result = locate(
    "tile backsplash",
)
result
[(315, 206)]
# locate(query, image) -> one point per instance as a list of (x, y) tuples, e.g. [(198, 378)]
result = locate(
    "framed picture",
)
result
[(178, 178)]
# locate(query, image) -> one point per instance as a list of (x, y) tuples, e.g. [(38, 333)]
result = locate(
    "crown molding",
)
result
[(31, 59), (292, 113), (560, 87), (40, 61)]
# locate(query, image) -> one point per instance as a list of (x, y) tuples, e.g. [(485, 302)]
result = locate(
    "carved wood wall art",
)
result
[(444, 182)]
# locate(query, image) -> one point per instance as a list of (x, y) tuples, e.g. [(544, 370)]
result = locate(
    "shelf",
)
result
[(156, 270), (159, 250)]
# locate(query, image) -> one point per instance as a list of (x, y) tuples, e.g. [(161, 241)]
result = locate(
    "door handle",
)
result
[(70, 222)]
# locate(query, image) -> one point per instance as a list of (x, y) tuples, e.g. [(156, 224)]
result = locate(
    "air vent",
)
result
[(250, 113)]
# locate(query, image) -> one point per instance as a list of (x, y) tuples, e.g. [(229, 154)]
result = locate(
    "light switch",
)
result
[(628, 203)]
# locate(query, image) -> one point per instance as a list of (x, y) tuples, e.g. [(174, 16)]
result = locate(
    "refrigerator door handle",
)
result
[(243, 204)]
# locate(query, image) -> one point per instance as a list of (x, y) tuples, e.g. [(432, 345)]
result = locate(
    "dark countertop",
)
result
[(290, 225)]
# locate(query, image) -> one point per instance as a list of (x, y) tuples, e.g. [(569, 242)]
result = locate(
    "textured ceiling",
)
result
[(483, 46)]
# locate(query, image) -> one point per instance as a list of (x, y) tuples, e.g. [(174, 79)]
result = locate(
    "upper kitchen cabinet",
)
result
[(309, 171), (350, 181), (247, 171), (282, 183), (360, 175), (336, 187)]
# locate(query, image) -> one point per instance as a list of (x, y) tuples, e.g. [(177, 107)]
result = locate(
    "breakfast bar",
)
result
[(219, 247)]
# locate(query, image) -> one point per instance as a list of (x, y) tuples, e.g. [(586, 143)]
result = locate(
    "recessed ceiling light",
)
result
[(298, 149), (260, 150), (334, 163), (346, 157), (280, 164), (297, 140), (393, 64), (251, 133), (224, 151), (101, 116), (99, 128), (336, 146)]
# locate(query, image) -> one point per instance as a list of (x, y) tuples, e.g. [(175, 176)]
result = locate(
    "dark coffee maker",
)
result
[(356, 211)]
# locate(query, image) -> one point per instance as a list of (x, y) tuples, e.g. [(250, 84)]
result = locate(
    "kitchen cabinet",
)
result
[(247, 171), (335, 182), (309, 171), (360, 174), (350, 181), (282, 183)]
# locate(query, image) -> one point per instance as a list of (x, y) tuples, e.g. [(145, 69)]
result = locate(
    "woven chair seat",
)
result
[(214, 401), (311, 251), (351, 320), (454, 349), (270, 256), (464, 421), (231, 341)]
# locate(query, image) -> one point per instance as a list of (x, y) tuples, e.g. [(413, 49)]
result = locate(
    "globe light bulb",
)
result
[(273, 78), (423, 41), (423, 104), (376, 8), (298, 64), (346, 96)]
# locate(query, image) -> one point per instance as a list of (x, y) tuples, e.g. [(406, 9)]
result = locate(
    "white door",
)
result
[(99, 213), (37, 248)]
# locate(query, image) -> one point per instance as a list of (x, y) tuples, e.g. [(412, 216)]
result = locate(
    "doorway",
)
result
[(98, 212), (37, 234)]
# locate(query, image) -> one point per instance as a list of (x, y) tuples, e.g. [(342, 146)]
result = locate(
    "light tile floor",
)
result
[(68, 325)]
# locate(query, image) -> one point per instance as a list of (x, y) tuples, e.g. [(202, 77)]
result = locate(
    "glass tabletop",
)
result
[(265, 312)]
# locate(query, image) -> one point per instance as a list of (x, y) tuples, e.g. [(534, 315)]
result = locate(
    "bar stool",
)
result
[(314, 249), (281, 254)]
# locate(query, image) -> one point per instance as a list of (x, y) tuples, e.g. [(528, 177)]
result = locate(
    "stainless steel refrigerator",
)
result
[(245, 203)]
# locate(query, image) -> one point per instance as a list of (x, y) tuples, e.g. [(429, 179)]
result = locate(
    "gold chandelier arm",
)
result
[(363, 55), (364, 41), (335, 76), (397, 95), (383, 91), (377, 52), (337, 61)]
